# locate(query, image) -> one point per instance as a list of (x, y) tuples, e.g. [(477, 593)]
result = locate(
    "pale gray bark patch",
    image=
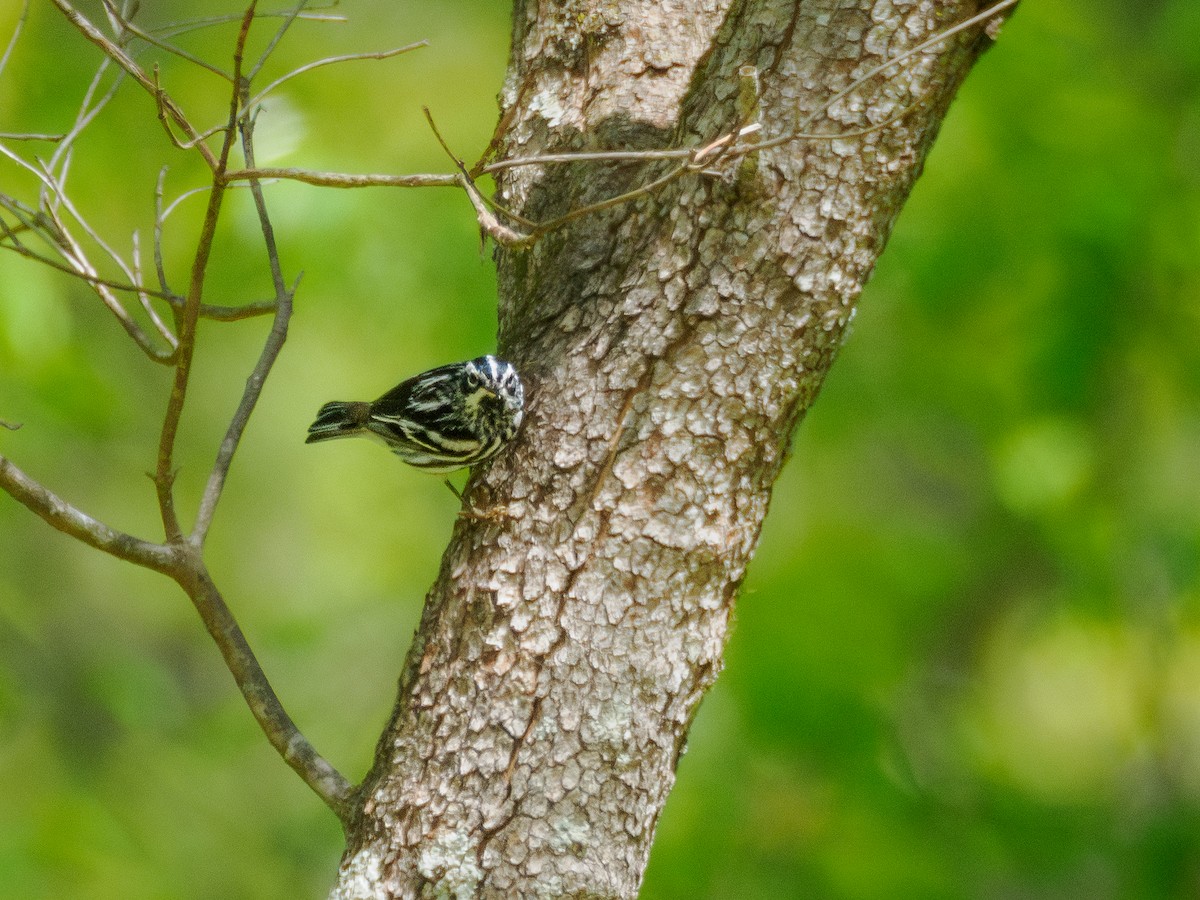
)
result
[(670, 346)]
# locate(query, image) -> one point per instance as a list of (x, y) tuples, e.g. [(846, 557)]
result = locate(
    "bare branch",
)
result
[(24, 136), (51, 228), (500, 233), (695, 157), (171, 207), (159, 267), (196, 141), (648, 188), (144, 297), (113, 16), (8, 234), (79, 525), (85, 116), (167, 107), (11, 426), (340, 180), (9, 241), (270, 351), (841, 135), (328, 784), (698, 159), (288, 19), (12, 41), (182, 563), (232, 313), (689, 153), (207, 311), (64, 201), (632, 156), (279, 728), (385, 54), (180, 557), (73, 252), (178, 28), (493, 227), (164, 474), (119, 21)]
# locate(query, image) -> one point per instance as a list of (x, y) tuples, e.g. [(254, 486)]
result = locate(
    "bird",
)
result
[(441, 420)]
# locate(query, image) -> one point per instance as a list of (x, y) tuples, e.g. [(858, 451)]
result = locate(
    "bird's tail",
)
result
[(337, 420)]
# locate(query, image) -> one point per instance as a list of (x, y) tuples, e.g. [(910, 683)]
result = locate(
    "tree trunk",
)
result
[(669, 346)]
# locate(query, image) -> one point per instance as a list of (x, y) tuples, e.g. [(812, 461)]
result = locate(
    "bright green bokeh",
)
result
[(966, 661)]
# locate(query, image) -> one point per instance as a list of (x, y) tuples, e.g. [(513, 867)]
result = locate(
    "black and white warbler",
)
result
[(445, 419)]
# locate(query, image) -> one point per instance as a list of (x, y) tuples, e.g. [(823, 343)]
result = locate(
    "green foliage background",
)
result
[(966, 662)]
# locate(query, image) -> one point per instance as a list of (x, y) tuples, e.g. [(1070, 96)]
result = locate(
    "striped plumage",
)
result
[(441, 420)]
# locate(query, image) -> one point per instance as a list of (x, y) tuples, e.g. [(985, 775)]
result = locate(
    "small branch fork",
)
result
[(64, 239), (65, 235), (705, 159)]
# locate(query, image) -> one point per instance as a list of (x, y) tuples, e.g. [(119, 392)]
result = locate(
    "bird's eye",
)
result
[(472, 379)]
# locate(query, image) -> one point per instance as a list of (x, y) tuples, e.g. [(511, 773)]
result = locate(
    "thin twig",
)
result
[(197, 141), (500, 233), (177, 28), (385, 54), (164, 212), (70, 249), (144, 297), (694, 156), (270, 352), (694, 159), (124, 24), (65, 202), (841, 135), (288, 19), (60, 159), (183, 564), (91, 280), (203, 189), (159, 267), (698, 159), (190, 143), (282, 309), (210, 311), (168, 108), (341, 180), (73, 250), (207, 311), (23, 136), (9, 241), (11, 426), (17, 29), (276, 724), (164, 473), (230, 313), (633, 156), (648, 188), (497, 230)]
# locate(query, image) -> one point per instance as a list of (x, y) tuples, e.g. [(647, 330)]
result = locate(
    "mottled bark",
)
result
[(670, 346)]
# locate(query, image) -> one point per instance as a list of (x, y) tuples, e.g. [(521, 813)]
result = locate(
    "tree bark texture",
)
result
[(669, 345)]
